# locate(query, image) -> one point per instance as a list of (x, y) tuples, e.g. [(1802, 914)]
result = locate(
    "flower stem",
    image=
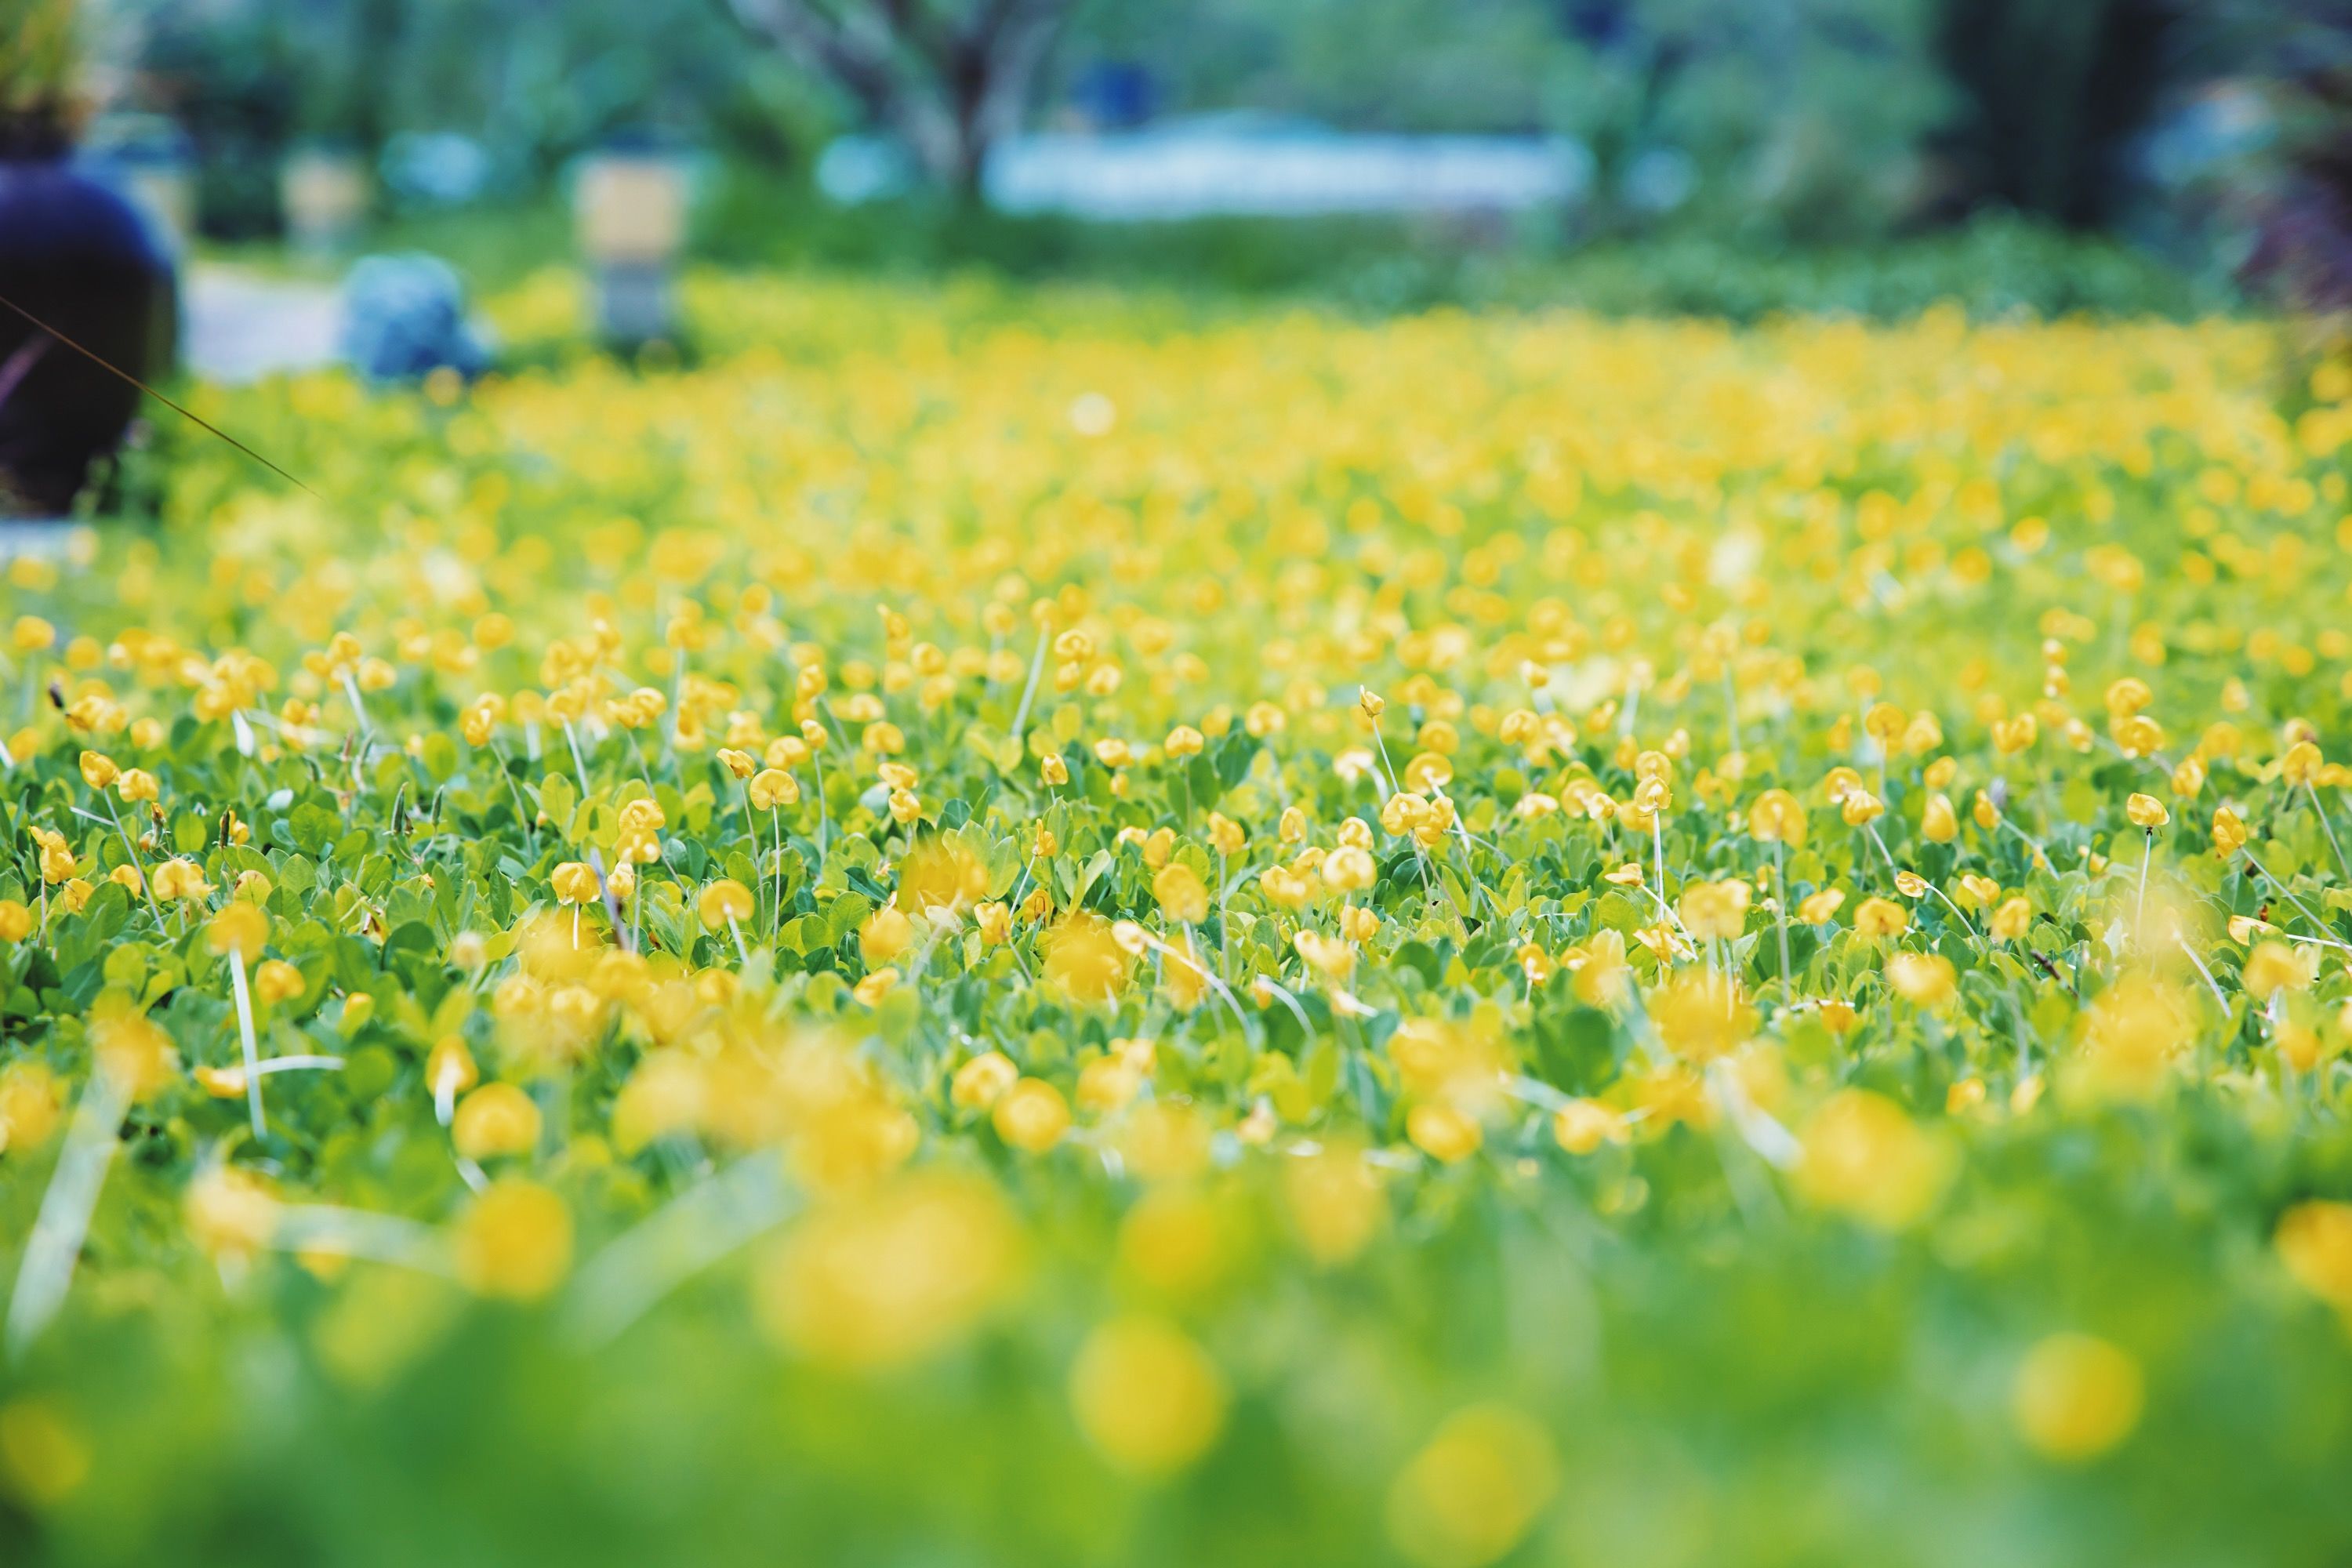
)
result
[(244, 1034)]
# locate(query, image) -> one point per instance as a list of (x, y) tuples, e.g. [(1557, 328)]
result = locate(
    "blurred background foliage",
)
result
[(2208, 135)]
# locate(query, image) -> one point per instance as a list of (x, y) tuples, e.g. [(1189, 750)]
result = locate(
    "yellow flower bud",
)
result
[(724, 900), (494, 1119), (982, 1080), (241, 928), (1032, 1116), (514, 1241), (770, 788)]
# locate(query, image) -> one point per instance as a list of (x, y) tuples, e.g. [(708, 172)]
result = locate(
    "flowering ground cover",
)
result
[(1050, 928)]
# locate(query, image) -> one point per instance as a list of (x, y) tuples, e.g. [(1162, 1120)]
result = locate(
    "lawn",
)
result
[(978, 924)]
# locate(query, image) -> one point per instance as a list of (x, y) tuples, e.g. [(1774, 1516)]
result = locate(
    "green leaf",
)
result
[(847, 913), (807, 933), (440, 756), (312, 825), (1201, 776)]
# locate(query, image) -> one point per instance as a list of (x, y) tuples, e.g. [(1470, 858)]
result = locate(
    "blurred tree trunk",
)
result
[(2303, 250), (378, 25), (2053, 90), (949, 77)]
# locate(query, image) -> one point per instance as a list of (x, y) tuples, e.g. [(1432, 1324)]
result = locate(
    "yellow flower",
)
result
[(2137, 1026), (1334, 956), (1820, 908), (514, 1241), (2147, 811), (447, 1065), (2273, 967), (1777, 817), (574, 882), (2138, 736), (1475, 1490), (886, 934), (1334, 1202), (724, 901), (1701, 1015), (1443, 1131), (1031, 1116), (770, 788), (1584, 1125), (2076, 1397), (98, 770), (1862, 1156), (1426, 772), (241, 928), (892, 1274), (2314, 1242), (30, 1103), (277, 981), (494, 1119), (1180, 894), (15, 921), (941, 873), (137, 784), (1149, 1399), (1877, 917), (1084, 960), (1716, 910), (980, 1082), (1226, 836), (230, 1213), (1349, 869), (1938, 824), (2011, 920), (58, 860), (44, 1456), (185, 879), (1860, 809), (2229, 832), (1923, 979)]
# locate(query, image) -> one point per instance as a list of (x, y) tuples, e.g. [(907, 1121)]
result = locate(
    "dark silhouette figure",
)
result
[(77, 255)]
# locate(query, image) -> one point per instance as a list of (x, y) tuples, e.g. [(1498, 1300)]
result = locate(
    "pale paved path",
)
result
[(241, 326)]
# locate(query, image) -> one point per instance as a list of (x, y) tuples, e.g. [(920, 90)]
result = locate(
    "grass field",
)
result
[(1039, 927)]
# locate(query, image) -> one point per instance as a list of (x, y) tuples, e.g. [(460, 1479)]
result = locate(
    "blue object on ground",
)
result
[(404, 317)]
